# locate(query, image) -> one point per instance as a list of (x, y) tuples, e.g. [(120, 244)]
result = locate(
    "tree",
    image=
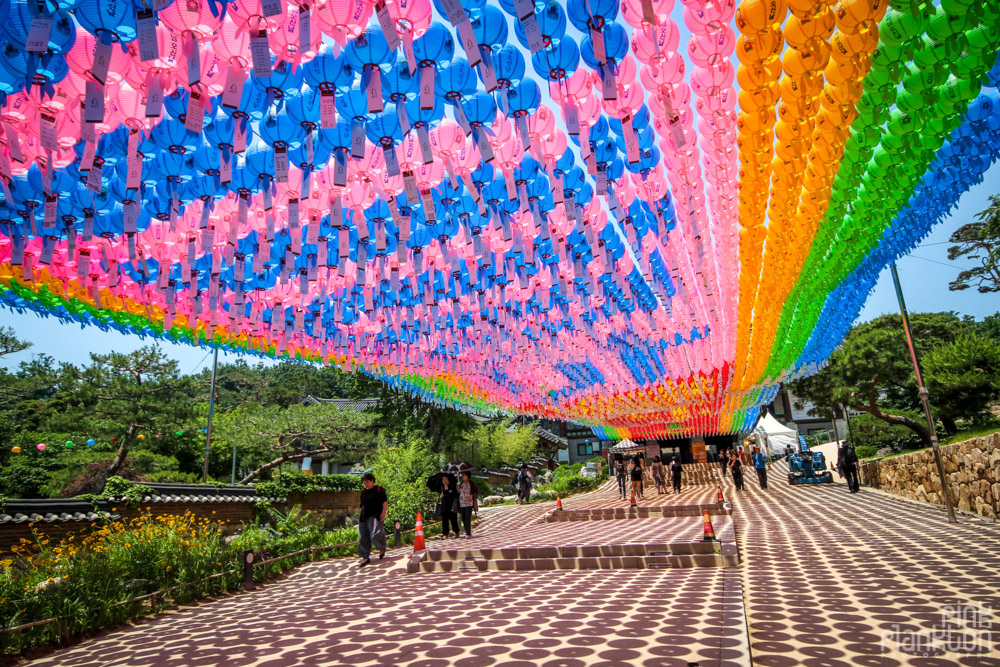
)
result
[(979, 240), (503, 442), (872, 372), (129, 397), (271, 435), (963, 378)]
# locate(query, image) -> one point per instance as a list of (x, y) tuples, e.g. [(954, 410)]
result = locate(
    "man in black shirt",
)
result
[(847, 461), (371, 525)]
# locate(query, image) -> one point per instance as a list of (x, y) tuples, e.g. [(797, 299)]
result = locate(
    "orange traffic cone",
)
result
[(418, 535), (558, 502), (632, 503), (721, 499), (709, 531)]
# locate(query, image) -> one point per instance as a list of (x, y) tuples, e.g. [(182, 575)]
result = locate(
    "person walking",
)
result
[(737, 468), (723, 461), (760, 465), (847, 462), (636, 478), (621, 473), (449, 508), (371, 524), (639, 461), (523, 482), (659, 475), (675, 474), (468, 501)]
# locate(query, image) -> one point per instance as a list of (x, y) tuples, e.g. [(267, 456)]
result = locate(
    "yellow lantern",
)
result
[(15, 449)]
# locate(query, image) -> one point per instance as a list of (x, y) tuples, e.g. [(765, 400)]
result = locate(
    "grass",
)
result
[(961, 436)]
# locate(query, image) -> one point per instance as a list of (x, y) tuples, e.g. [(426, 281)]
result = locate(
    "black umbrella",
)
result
[(434, 481), (458, 467)]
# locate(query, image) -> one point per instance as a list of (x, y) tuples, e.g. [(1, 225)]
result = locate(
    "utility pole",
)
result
[(850, 431), (922, 391), (211, 413)]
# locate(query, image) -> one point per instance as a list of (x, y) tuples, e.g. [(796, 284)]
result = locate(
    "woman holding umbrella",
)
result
[(449, 506), (446, 486)]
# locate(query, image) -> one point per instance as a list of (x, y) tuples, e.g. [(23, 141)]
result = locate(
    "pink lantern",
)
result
[(656, 44), (81, 57), (633, 13), (285, 41), (412, 17), (232, 44), (344, 19), (249, 15)]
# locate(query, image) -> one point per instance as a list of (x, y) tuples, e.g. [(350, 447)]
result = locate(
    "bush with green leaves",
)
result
[(295, 482), (402, 469)]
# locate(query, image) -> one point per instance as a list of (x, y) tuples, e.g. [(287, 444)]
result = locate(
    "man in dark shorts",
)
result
[(371, 524)]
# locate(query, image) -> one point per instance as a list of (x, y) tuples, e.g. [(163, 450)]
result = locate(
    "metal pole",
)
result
[(232, 478), (211, 413), (922, 391), (836, 435), (850, 431)]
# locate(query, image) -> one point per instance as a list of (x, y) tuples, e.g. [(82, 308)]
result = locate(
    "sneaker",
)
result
[(381, 555), (366, 561)]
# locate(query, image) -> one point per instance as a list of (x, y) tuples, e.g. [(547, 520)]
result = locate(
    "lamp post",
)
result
[(211, 413), (922, 391)]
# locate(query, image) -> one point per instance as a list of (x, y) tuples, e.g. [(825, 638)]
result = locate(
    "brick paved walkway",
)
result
[(824, 573)]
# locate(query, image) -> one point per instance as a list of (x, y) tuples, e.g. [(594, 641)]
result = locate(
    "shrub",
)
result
[(483, 487), (865, 451), (295, 482)]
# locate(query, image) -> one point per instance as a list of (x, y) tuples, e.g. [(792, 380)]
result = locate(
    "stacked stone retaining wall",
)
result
[(972, 468)]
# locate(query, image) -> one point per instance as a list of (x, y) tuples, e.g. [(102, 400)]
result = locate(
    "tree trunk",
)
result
[(285, 458), (120, 456), (900, 420), (949, 425)]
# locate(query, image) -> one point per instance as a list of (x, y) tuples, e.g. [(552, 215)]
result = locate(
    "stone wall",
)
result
[(972, 468)]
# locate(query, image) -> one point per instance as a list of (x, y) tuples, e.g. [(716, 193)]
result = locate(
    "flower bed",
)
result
[(92, 581)]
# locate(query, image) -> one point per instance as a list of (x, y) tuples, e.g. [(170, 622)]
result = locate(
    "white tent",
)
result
[(626, 446), (776, 435)]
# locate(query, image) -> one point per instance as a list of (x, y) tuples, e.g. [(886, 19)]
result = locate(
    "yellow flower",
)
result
[(127, 545), (51, 580)]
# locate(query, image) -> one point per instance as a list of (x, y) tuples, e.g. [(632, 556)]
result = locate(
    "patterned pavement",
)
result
[(832, 578), (828, 578)]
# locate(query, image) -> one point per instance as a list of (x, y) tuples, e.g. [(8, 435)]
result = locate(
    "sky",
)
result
[(924, 274)]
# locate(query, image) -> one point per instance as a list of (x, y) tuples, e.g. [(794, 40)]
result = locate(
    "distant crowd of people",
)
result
[(736, 460), (631, 470)]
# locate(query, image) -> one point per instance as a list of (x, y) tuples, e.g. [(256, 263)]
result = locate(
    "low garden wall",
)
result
[(972, 468), (54, 518)]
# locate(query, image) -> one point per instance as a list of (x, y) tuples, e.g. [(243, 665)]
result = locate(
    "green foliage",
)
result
[(287, 483), (963, 377), (566, 479), (403, 469), (123, 489), (500, 442), (269, 435), (865, 451), (872, 372), (83, 576), (874, 434), (973, 432), (483, 487), (979, 240), (22, 480)]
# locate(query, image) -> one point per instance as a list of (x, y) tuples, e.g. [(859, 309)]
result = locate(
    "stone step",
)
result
[(650, 512), (574, 551), (722, 559)]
